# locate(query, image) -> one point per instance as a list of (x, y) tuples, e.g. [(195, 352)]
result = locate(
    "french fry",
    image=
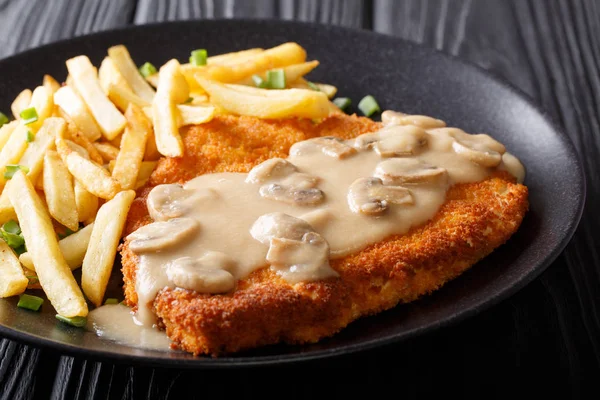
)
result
[(122, 59), (133, 145), (292, 73), (12, 278), (153, 80), (13, 149), (20, 103), (329, 90), (151, 153), (53, 272), (73, 248), (122, 97), (87, 203), (85, 79), (33, 158), (7, 211), (5, 131), (81, 140), (145, 171), (58, 189), (263, 103), (43, 101), (71, 104), (172, 90), (195, 115), (50, 84), (109, 74), (94, 178), (102, 249), (107, 150)]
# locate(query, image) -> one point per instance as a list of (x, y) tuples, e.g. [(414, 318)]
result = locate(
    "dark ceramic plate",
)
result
[(402, 76)]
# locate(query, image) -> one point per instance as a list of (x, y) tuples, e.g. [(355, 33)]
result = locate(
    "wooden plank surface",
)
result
[(545, 340)]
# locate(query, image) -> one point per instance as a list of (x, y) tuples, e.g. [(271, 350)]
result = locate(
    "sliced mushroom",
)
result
[(300, 180), (481, 149), (162, 235), (329, 145), (291, 194), (272, 169), (301, 260), (389, 117), (207, 274), (173, 200), (408, 170), (404, 141), (370, 196), (279, 225)]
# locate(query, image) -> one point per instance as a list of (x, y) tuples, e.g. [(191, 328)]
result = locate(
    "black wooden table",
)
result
[(544, 341)]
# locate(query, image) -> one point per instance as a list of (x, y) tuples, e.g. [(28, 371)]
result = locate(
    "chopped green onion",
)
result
[(3, 119), (342, 102), (33, 279), (12, 168), (313, 86), (147, 69), (276, 79), (368, 106), (11, 234), (29, 115), (29, 302), (189, 100), (78, 322), (29, 138), (21, 249), (198, 57), (259, 82), (111, 301), (12, 226)]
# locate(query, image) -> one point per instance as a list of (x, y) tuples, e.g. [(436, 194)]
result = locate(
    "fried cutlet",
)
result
[(264, 309)]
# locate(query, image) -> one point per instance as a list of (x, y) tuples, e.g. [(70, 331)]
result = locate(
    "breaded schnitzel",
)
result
[(265, 309)]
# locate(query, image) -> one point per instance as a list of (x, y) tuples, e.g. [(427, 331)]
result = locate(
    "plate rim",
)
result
[(270, 360)]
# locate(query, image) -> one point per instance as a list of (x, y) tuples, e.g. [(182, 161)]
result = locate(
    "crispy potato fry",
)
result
[(153, 80), (329, 90), (195, 115), (94, 178), (20, 103), (234, 57), (276, 57), (85, 78), (13, 149), (123, 97), (263, 103), (145, 171), (81, 140), (109, 74), (172, 89), (72, 106), (43, 102), (5, 132), (53, 272), (73, 248), (87, 203), (122, 59), (133, 145), (107, 150), (33, 158), (102, 249), (7, 211), (151, 153), (292, 72), (58, 189), (50, 83), (12, 278)]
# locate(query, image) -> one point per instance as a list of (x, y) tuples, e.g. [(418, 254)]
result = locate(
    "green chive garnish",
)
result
[(29, 138), (11, 169), (259, 82), (11, 234), (12, 226), (29, 115), (3, 119), (276, 79), (342, 102), (313, 86), (198, 57), (111, 301), (189, 100), (78, 322), (147, 69), (29, 302), (368, 106)]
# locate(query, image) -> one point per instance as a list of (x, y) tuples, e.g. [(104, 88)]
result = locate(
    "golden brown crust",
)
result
[(264, 309)]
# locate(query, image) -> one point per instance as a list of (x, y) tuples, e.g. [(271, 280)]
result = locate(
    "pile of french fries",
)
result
[(73, 156)]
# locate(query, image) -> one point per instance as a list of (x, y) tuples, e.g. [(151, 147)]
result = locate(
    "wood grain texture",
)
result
[(543, 341)]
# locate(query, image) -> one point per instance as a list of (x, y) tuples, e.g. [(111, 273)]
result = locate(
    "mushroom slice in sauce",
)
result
[(207, 274), (370, 196), (279, 225), (389, 117), (396, 171), (272, 169), (329, 145), (301, 260), (162, 235), (481, 149), (173, 200), (292, 195), (405, 141), (513, 165)]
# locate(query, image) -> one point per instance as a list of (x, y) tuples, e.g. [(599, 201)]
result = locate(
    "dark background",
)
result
[(542, 342)]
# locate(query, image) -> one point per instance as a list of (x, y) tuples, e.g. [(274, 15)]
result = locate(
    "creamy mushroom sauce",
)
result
[(328, 199)]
